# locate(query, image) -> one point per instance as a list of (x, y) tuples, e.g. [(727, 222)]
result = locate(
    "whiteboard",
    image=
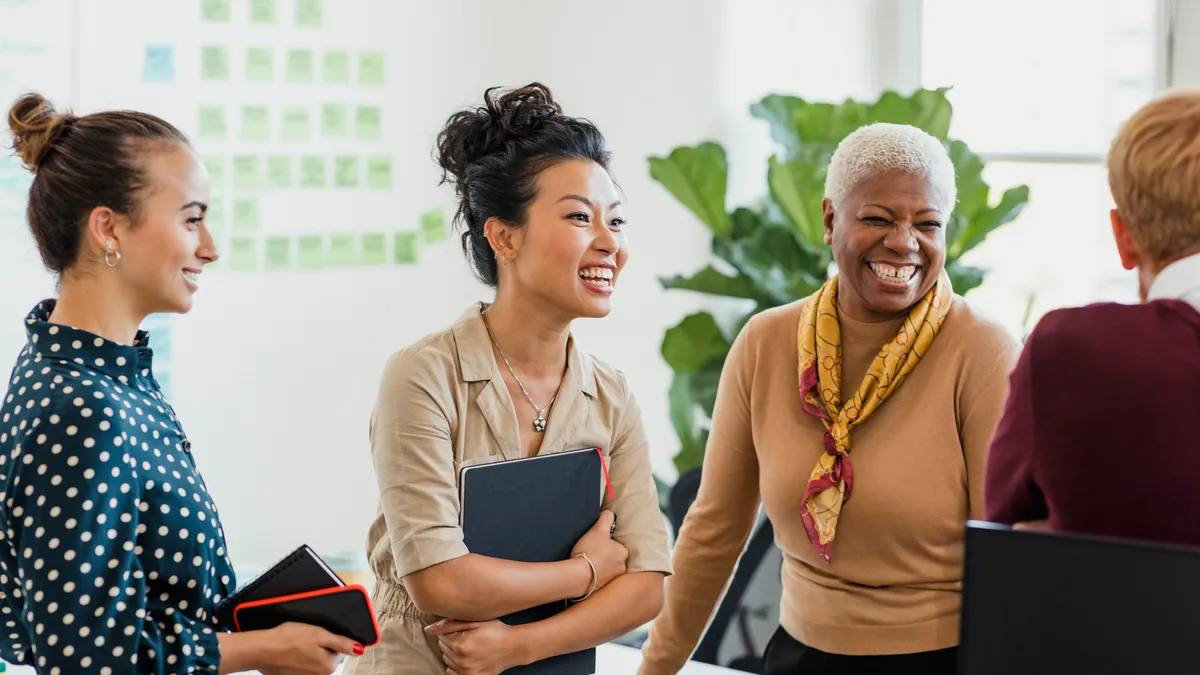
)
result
[(274, 372)]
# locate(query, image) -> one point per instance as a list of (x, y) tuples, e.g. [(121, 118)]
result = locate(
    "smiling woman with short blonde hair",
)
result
[(860, 418)]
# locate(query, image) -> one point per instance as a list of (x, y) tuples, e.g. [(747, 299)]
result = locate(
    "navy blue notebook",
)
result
[(534, 510)]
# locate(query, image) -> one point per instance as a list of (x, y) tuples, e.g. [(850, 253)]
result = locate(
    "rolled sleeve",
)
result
[(640, 525), (414, 462)]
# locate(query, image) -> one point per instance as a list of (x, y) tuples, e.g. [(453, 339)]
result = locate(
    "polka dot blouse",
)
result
[(112, 558)]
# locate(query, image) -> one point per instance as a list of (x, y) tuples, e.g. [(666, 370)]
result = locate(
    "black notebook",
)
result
[(301, 571), (533, 510)]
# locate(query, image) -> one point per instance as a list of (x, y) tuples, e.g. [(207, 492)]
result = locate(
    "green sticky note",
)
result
[(243, 253), (308, 13), (374, 249), (214, 10), (245, 213), (260, 64), (214, 63), (379, 173), (279, 171), (211, 125), (256, 125), (342, 251), (345, 171), (262, 11), (295, 123), (368, 123), (215, 165), (247, 173), (312, 251), (300, 65), (312, 171), (405, 252), (279, 253), (335, 120), (433, 226), (370, 68), (214, 217), (337, 67)]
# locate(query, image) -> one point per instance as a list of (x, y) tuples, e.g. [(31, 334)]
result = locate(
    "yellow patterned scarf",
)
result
[(820, 342)]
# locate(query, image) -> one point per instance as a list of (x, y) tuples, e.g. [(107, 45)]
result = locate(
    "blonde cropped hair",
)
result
[(883, 147), (1154, 175)]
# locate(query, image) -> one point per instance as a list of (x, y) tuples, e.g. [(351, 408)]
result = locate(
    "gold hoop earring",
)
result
[(109, 253)]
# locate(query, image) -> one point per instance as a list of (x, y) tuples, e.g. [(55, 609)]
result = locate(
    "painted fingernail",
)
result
[(358, 650)]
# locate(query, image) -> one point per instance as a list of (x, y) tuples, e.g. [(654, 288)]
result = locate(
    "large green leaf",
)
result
[(704, 383), (932, 112), (964, 278), (709, 280), (975, 230), (798, 188), (683, 410), (693, 342), (778, 111), (697, 177)]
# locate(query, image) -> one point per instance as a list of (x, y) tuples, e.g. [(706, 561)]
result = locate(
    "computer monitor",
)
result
[(1039, 603)]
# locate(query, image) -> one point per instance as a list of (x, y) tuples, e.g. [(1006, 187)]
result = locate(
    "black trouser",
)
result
[(786, 656)]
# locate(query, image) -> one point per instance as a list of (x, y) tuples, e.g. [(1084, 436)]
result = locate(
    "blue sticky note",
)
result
[(159, 64)]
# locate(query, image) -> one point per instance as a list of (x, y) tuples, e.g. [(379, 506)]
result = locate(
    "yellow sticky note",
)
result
[(368, 123), (345, 171), (262, 11), (260, 64), (312, 171), (433, 226), (341, 250), (214, 10), (295, 123), (374, 249), (245, 213), (370, 68), (279, 171), (312, 251), (337, 67), (300, 65), (216, 167), (247, 173), (379, 173), (308, 13), (256, 125), (279, 253), (335, 120), (211, 126), (214, 63), (405, 252), (243, 253)]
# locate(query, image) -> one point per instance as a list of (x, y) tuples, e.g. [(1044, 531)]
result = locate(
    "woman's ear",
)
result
[(503, 238), (827, 216), (103, 226)]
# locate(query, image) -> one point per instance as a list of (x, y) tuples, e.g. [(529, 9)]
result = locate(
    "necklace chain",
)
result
[(539, 424)]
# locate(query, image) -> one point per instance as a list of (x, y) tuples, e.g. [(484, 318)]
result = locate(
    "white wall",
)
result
[(274, 374)]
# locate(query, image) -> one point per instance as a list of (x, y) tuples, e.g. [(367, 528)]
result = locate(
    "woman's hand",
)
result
[(484, 648), (606, 553), (301, 649)]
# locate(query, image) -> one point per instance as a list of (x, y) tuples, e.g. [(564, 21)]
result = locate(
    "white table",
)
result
[(611, 659)]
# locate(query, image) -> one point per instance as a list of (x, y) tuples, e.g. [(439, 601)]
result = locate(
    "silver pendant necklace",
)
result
[(539, 424)]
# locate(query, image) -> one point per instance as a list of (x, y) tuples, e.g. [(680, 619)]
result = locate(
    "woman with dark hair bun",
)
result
[(543, 224)]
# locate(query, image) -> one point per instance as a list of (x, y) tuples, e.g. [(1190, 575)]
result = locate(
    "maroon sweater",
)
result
[(1101, 431)]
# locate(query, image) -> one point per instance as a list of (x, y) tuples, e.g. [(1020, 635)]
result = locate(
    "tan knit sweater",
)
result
[(894, 583)]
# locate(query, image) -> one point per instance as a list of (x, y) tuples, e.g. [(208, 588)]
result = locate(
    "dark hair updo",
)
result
[(495, 154), (79, 163)]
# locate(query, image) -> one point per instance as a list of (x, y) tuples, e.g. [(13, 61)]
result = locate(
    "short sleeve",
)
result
[(414, 462), (640, 525), (73, 506)]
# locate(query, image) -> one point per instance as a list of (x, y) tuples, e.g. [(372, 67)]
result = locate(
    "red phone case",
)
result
[(312, 594)]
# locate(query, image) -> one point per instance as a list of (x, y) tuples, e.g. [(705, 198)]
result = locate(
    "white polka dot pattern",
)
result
[(112, 556)]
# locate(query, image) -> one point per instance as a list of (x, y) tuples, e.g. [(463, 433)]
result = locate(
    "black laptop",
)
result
[(1041, 603)]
